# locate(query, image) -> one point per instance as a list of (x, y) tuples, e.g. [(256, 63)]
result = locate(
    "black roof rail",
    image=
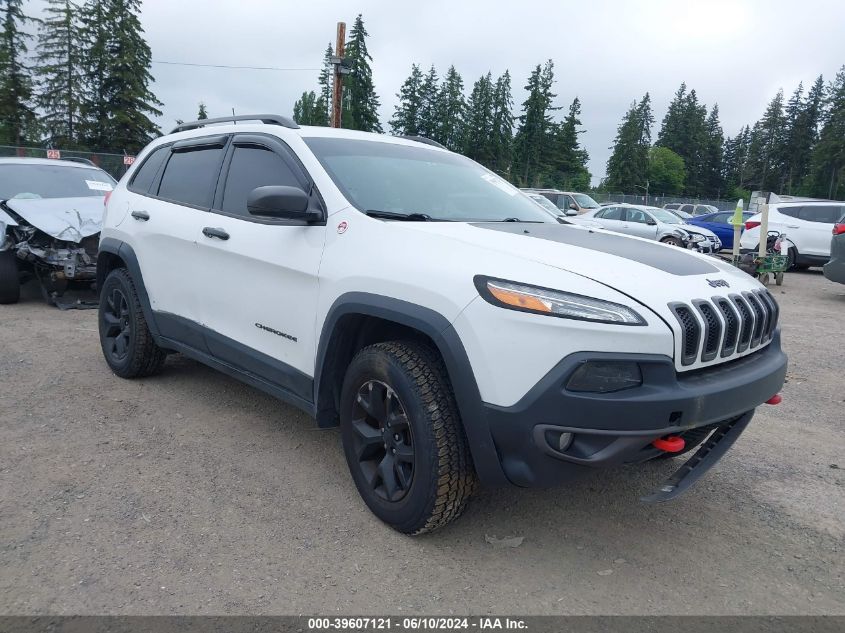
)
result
[(77, 159), (269, 119), (423, 139)]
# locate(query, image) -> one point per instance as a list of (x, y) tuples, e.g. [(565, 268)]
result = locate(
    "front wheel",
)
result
[(671, 241), (403, 438)]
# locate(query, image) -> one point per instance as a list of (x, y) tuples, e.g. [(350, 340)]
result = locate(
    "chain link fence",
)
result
[(659, 201), (114, 164)]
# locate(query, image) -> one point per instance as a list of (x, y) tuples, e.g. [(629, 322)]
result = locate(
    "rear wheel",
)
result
[(10, 283), (403, 439), (128, 346)]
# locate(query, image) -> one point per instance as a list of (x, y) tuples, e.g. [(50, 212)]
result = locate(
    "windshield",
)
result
[(585, 201), (667, 217), (52, 181), (405, 179)]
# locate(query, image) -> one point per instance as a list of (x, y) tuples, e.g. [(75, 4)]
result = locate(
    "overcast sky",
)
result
[(607, 52)]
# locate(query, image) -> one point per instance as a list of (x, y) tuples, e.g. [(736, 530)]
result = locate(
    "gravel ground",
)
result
[(192, 493)]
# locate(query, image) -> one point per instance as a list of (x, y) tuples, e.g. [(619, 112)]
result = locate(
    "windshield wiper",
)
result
[(408, 217)]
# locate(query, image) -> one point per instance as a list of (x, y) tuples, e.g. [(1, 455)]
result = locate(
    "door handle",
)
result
[(792, 226), (220, 234), (143, 216)]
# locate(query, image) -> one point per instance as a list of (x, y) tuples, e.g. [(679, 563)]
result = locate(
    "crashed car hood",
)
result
[(67, 219)]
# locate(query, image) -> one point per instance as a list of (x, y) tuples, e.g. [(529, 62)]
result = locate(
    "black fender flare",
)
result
[(127, 255), (437, 328)]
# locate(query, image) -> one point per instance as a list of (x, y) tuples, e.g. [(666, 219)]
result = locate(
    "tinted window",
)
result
[(686, 207), (253, 167), (792, 212), (146, 173), (190, 176), (721, 218), (611, 213), (62, 180), (826, 214)]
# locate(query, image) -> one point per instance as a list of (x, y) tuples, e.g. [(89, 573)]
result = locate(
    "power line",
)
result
[(158, 61)]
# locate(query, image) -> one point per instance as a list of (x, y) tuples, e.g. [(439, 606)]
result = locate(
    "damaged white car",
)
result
[(51, 213)]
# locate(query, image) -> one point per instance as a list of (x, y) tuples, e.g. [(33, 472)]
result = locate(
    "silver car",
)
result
[(655, 224)]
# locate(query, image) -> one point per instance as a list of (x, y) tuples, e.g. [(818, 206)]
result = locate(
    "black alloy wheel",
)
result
[(383, 442), (118, 325)]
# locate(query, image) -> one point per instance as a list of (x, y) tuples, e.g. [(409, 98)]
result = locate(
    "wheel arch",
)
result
[(114, 254), (356, 320)]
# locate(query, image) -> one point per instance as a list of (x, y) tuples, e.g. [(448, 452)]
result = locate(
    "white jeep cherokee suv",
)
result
[(453, 330)]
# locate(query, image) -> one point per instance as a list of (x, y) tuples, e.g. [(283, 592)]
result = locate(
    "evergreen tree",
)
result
[(627, 167), (326, 83), (764, 152), (569, 169), (360, 102), (711, 181), (534, 141), (801, 134), (685, 132), (202, 113), (478, 130), (501, 135), (18, 123), (451, 110), (119, 103), (429, 97), (406, 117), (307, 110), (828, 160), (59, 72), (734, 163)]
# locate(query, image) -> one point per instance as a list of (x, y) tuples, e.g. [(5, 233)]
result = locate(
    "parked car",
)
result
[(656, 224), (692, 209), (834, 269), (451, 328), (720, 224), (568, 200), (807, 224), (570, 217), (50, 218)]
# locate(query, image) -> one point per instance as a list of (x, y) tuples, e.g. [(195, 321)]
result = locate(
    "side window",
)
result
[(612, 213), (569, 203), (792, 212), (635, 215), (253, 166), (686, 208), (190, 176), (721, 218), (824, 214), (146, 173)]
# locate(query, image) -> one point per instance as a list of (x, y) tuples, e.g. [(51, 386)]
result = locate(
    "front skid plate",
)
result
[(708, 454)]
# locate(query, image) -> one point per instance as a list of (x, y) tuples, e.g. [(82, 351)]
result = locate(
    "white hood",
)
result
[(67, 219)]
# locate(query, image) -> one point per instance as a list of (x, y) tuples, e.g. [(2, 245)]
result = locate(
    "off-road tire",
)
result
[(443, 476), (672, 241), (10, 283), (142, 356)]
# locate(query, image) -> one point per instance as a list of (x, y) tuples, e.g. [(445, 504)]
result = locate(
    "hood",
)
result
[(694, 228), (653, 274), (67, 219)]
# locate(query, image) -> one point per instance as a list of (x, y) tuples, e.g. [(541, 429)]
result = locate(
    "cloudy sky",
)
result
[(607, 52)]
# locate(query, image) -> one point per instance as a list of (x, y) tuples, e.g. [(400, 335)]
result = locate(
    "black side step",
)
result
[(704, 458)]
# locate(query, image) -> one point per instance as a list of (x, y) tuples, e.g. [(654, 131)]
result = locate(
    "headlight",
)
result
[(696, 237), (567, 305)]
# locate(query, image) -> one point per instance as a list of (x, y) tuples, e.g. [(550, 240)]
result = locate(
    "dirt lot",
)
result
[(192, 493)]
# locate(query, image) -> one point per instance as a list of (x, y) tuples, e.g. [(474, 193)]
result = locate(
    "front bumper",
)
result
[(617, 428)]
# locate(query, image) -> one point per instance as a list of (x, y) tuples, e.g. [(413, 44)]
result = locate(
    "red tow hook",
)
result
[(670, 443), (775, 399)]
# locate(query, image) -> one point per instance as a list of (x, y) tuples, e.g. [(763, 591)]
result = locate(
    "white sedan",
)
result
[(655, 224)]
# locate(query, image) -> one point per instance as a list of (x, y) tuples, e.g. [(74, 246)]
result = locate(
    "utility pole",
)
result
[(339, 71)]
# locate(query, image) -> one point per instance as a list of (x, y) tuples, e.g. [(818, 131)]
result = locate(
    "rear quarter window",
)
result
[(825, 214), (143, 178)]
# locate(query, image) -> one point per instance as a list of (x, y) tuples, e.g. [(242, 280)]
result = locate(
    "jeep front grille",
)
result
[(725, 326)]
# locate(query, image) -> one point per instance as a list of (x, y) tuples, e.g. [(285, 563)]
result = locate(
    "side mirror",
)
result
[(276, 201), (651, 222), (571, 211), (574, 206)]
